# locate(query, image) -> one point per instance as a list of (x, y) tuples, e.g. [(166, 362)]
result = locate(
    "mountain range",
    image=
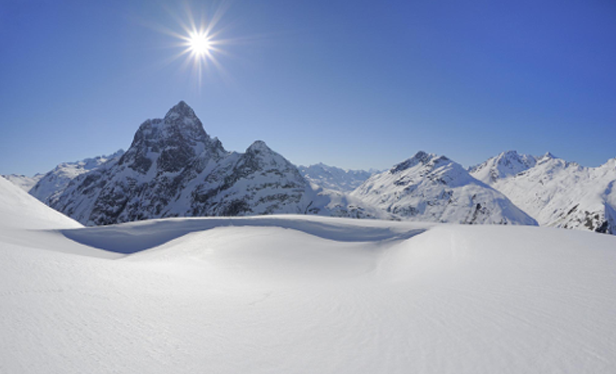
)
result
[(555, 192), (173, 168)]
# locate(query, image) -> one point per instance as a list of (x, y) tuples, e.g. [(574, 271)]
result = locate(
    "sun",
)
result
[(198, 40), (199, 44)]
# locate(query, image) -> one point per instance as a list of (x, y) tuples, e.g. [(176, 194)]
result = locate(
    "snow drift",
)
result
[(300, 294)]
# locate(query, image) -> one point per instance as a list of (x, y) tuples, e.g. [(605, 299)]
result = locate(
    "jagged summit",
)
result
[(548, 155), (169, 144), (420, 157), (173, 168), (258, 146), (181, 109)]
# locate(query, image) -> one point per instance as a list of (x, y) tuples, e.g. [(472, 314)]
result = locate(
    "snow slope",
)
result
[(564, 194), (334, 178), (433, 188), (20, 210), (304, 294), (502, 166)]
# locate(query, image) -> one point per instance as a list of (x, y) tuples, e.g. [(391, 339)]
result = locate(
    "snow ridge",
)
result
[(432, 188), (562, 194)]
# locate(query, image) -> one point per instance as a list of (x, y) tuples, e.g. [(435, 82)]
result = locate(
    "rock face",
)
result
[(563, 194), (51, 185), (334, 178), (174, 168), (433, 188)]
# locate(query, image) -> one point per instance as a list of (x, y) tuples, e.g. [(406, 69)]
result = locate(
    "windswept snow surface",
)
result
[(305, 294)]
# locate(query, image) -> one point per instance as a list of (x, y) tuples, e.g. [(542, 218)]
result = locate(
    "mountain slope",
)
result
[(174, 168), (334, 178), (502, 166), (566, 195), (433, 188), (50, 185)]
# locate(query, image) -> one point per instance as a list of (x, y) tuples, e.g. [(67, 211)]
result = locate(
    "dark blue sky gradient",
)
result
[(355, 84)]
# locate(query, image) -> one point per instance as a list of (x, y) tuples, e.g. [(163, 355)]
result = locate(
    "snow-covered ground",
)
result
[(300, 294)]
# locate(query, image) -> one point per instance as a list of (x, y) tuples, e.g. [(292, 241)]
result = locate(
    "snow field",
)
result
[(299, 294)]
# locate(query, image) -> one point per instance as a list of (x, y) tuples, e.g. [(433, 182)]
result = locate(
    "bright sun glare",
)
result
[(199, 44), (199, 40)]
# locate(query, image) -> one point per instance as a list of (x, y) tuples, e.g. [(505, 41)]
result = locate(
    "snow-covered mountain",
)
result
[(502, 166), (334, 178), (50, 185), (564, 194), (174, 168), (433, 188), (23, 181)]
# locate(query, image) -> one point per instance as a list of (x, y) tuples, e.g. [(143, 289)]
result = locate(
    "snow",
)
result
[(24, 182), (300, 294), (20, 210), (433, 188), (334, 178), (504, 165), (563, 194), (49, 186)]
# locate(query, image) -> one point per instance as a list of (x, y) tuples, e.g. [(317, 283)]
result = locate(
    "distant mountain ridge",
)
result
[(174, 168), (334, 178), (558, 193), (53, 183), (23, 181), (433, 188)]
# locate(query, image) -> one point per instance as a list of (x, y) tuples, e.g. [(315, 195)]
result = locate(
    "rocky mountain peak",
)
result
[(547, 156), (259, 146), (170, 143), (420, 157), (180, 110)]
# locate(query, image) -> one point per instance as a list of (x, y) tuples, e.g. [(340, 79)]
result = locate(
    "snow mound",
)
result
[(306, 294)]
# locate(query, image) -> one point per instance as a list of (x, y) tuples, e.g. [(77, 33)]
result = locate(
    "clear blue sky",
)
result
[(356, 84)]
